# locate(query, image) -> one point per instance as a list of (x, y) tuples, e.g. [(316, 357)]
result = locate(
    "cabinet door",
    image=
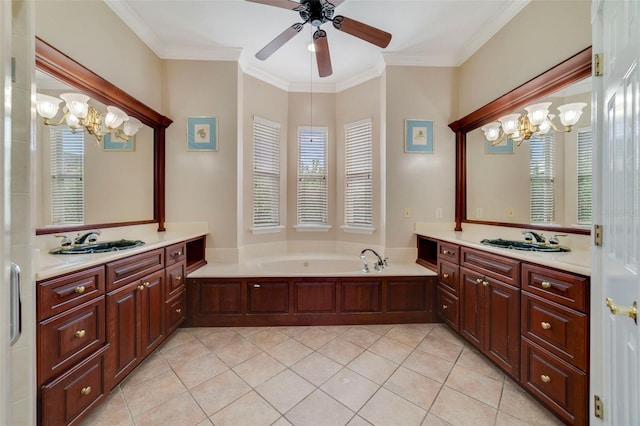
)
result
[(502, 330), (152, 311), (268, 297), (471, 314), (315, 296), (361, 296)]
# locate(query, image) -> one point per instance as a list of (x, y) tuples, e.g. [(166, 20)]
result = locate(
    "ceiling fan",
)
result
[(317, 12)]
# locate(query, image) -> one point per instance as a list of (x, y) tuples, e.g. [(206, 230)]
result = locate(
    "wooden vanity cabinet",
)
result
[(448, 292), (175, 300)]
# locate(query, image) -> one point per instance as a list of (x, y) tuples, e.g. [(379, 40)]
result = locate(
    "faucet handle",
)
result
[(554, 240), (65, 241), (384, 262)]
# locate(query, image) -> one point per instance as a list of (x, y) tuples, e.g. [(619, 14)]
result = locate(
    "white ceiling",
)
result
[(424, 33)]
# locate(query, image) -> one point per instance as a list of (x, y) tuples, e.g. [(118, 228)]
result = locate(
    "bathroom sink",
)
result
[(524, 245), (101, 247)]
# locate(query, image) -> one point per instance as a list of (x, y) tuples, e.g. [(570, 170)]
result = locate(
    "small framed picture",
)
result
[(202, 133), (418, 136), (114, 143), (504, 147)]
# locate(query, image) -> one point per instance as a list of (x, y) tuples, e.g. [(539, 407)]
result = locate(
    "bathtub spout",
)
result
[(379, 266)]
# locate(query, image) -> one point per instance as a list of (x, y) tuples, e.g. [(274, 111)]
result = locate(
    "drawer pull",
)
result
[(141, 287), (545, 378), (80, 334), (485, 283), (445, 276), (545, 325), (546, 284), (179, 277), (86, 391), (479, 280), (446, 252), (80, 289), (146, 284), (445, 307), (256, 286), (178, 311)]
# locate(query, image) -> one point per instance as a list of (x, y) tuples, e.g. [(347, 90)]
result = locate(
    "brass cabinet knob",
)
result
[(545, 284), (80, 289), (446, 252), (80, 334), (141, 287), (85, 391), (485, 283), (445, 307), (179, 311), (545, 325), (479, 280), (445, 275), (545, 378), (179, 277)]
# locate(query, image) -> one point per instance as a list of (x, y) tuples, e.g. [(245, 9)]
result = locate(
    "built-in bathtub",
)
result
[(309, 290)]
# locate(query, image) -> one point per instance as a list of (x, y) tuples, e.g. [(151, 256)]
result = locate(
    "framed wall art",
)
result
[(114, 143), (504, 147), (202, 133), (418, 136)]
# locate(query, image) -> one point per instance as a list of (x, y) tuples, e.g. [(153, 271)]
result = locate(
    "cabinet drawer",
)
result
[(498, 267), (450, 252), (561, 386), (69, 337), (448, 308), (448, 276), (59, 294), (132, 268), (70, 397), (175, 311), (562, 331), (175, 280), (567, 289), (175, 253), (271, 297)]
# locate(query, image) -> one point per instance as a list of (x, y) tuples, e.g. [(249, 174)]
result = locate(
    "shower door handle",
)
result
[(16, 314)]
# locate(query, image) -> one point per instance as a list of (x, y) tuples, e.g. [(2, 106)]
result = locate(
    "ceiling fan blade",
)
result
[(323, 58), (284, 4), (365, 32), (335, 3), (279, 41)]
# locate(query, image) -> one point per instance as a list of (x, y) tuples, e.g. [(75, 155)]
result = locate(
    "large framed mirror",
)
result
[(499, 183), (123, 182)]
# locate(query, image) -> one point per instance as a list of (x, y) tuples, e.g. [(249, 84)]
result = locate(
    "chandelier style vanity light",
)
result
[(537, 121), (79, 115)]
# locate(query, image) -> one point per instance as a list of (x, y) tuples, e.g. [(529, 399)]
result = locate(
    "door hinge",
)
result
[(13, 70), (598, 407), (597, 235), (598, 65)]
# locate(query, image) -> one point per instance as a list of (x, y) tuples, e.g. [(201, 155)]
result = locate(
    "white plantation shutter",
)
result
[(358, 174), (67, 176), (543, 173), (266, 173), (584, 175), (312, 176)]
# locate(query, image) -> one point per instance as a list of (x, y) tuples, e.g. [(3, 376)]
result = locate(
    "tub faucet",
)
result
[(379, 266), (530, 235), (89, 237)]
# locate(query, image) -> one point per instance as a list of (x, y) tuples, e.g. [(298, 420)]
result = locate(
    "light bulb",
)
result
[(72, 121), (537, 113), (115, 117), (544, 128), (570, 113), (77, 104), (509, 123), (47, 106)]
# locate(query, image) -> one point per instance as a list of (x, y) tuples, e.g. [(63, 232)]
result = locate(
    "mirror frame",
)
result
[(565, 73), (55, 63)]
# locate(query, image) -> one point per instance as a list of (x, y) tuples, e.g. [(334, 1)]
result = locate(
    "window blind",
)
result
[(67, 176), (358, 174), (312, 175), (584, 175), (542, 172), (266, 173)]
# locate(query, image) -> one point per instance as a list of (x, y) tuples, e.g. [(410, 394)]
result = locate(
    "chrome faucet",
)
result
[(89, 237), (530, 235), (380, 264)]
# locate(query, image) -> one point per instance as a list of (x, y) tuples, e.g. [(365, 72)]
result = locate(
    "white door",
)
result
[(616, 264)]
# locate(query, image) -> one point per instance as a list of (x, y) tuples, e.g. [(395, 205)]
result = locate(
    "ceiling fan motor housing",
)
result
[(316, 12)]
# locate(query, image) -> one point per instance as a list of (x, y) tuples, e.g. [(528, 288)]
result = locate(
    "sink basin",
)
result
[(523, 245), (101, 247)]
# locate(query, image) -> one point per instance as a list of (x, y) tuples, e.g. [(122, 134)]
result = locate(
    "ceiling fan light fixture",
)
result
[(311, 47)]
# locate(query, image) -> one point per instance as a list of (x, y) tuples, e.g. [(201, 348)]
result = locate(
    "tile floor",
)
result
[(411, 374)]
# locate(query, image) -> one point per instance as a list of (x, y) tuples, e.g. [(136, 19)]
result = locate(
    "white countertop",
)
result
[(577, 260)]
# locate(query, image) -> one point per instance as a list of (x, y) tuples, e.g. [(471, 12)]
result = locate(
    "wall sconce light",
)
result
[(537, 121), (79, 115)]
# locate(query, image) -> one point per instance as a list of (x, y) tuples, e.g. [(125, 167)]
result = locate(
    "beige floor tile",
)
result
[(314, 337), (250, 410), (440, 347), (341, 351), (517, 403), (165, 386), (200, 369), (316, 368), (475, 385), (373, 367), (178, 355), (444, 332), (391, 349), (459, 409), (285, 390), (267, 338), (319, 409), (200, 332), (336, 330), (378, 328), (205, 422), (407, 335), (220, 391), (289, 352), (247, 331), (219, 339), (471, 359), (413, 387), (181, 410), (258, 369), (387, 408), (432, 420), (350, 388), (291, 331), (237, 353), (421, 327), (505, 419), (358, 421), (361, 337), (178, 338), (112, 412), (154, 365), (282, 421), (428, 365)]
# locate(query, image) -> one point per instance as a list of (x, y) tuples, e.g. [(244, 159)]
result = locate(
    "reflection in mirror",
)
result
[(545, 180), (86, 181)]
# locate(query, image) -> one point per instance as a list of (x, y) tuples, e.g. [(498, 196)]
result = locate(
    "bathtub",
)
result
[(311, 266)]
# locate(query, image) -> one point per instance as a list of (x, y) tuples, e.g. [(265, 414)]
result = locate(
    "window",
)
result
[(543, 169), (67, 176), (584, 176), (312, 176), (358, 203), (266, 173)]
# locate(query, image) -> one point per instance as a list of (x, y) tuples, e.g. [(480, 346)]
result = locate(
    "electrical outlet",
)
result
[(439, 213), (510, 212), (407, 212), (478, 212)]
